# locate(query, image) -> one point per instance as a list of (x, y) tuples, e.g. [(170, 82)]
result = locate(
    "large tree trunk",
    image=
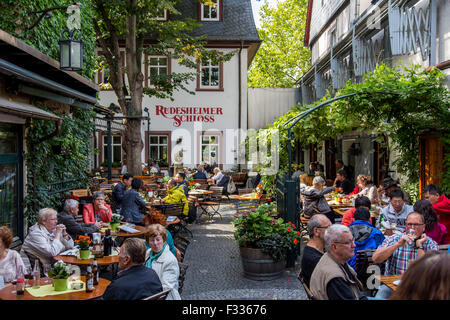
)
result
[(133, 146)]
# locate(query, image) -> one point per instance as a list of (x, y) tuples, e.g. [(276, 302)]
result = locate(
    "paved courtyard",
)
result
[(215, 269)]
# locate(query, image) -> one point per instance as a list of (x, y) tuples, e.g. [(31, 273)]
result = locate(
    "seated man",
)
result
[(313, 251), (364, 234), (175, 194), (200, 174), (396, 212), (315, 202), (180, 179), (360, 202), (218, 175), (47, 239), (440, 202), (399, 251), (333, 278), (119, 190), (343, 182), (74, 228), (390, 184), (134, 281)]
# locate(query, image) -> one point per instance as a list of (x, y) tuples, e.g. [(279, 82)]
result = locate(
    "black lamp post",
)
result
[(148, 137), (71, 51)]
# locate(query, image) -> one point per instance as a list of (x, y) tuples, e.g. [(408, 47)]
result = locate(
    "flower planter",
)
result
[(114, 226), (85, 254), (260, 266), (60, 284)]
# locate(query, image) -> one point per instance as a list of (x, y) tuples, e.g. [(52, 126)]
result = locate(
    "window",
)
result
[(159, 147), (116, 148), (210, 148), (210, 13), (157, 65), (210, 76), (162, 15)]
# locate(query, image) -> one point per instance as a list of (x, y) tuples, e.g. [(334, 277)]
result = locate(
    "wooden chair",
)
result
[(181, 244), (245, 206), (363, 261), (159, 296), (245, 190), (183, 268), (305, 286), (212, 203), (193, 203), (176, 209)]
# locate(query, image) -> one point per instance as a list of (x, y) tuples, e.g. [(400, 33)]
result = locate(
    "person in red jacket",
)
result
[(360, 202), (97, 211), (440, 202)]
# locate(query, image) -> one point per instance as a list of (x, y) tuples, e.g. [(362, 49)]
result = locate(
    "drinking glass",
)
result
[(412, 234)]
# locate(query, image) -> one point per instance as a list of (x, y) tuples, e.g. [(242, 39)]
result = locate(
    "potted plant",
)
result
[(60, 275), (115, 221), (264, 242), (83, 243)]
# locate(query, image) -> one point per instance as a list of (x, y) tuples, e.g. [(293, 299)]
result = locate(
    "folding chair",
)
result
[(212, 203), (159, 296), (305, 286), (176, 209), (245, 206)]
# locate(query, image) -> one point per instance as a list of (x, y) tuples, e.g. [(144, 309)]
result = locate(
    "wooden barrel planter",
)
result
[(260, 266)]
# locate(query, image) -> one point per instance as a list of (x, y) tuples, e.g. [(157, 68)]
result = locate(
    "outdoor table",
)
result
[(104, 261), (199, 192), (389, 281), (9, 291), (121, 233)]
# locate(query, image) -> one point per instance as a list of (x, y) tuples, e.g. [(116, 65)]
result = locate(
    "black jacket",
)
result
[(117, 194), (136, 283), (73, 228)]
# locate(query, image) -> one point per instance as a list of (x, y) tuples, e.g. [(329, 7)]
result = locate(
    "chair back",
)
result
[(246, 206), (245, 190), (162, 193), (363, 261), (159, 296), (217, 192), (16, 244), (183, 268), (201, 181), (305, 286), (173, 209), (191, 201)]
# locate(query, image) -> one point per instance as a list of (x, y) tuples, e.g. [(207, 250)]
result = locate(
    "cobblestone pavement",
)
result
[(215, 269)]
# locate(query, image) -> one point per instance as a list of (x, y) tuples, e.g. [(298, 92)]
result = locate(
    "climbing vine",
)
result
[(66, 155), (401, 103)]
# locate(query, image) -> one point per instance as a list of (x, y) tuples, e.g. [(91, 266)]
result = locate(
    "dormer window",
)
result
[(211, 13)]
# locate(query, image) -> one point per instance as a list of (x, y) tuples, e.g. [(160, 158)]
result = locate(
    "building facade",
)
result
[(203, 127), (347, 39)]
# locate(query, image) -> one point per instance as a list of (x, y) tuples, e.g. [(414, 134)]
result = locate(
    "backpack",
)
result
[(231, 187)]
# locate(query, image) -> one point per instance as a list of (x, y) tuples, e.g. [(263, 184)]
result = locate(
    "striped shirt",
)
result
[(399, 261)]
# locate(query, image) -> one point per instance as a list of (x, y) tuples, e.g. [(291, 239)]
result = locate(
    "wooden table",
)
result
[(125, 234), (199, 192), (105, 261), (389, 281), (9, 291)]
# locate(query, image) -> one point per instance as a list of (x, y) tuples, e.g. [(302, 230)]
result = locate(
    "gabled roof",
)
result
[(237, 22)]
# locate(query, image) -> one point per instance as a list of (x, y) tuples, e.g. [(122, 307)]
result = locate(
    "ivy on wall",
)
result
[(65, 156), (401, 103)]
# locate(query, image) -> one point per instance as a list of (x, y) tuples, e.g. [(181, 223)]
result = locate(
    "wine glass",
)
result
[(412, 235)]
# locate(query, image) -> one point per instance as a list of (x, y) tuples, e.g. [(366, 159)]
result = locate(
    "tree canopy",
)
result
[(282, 58)]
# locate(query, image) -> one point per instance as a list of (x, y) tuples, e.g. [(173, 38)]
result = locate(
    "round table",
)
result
[(105, 261), (125, 234), (9, 291)]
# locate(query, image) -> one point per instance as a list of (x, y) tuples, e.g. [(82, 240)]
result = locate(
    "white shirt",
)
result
[(218, 177)]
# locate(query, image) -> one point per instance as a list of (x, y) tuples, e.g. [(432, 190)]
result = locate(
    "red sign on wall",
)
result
[(188, 114)]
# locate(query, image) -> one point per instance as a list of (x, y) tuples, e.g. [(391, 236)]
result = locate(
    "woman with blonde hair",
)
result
[(160, 259), (367, 188)]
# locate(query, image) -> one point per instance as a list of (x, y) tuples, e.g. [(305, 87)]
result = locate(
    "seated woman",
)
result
[(47, 239), (132, 202), (367, 188), (156, 217), (315, 202), (175, 194), (11, 264), (160, 259), (98, 210), (433, 229)]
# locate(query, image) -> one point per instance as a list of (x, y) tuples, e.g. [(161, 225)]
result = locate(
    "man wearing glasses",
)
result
[(333, 278), (399, 251), (395, 213)]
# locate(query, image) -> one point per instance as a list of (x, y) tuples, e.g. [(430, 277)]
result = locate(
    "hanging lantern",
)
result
[(71, 51)]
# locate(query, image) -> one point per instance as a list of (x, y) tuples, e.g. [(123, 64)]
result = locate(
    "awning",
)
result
[(24, 110)]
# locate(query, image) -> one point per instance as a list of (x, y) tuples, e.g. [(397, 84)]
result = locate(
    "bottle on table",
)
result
[(89, 280), (95, 271), (20, 286), (36, 275), (107, 243)]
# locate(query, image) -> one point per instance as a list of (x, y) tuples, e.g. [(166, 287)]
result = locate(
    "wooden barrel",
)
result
[(260, 266)]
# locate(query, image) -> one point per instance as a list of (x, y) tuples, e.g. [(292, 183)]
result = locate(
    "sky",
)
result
[(256, 5)]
